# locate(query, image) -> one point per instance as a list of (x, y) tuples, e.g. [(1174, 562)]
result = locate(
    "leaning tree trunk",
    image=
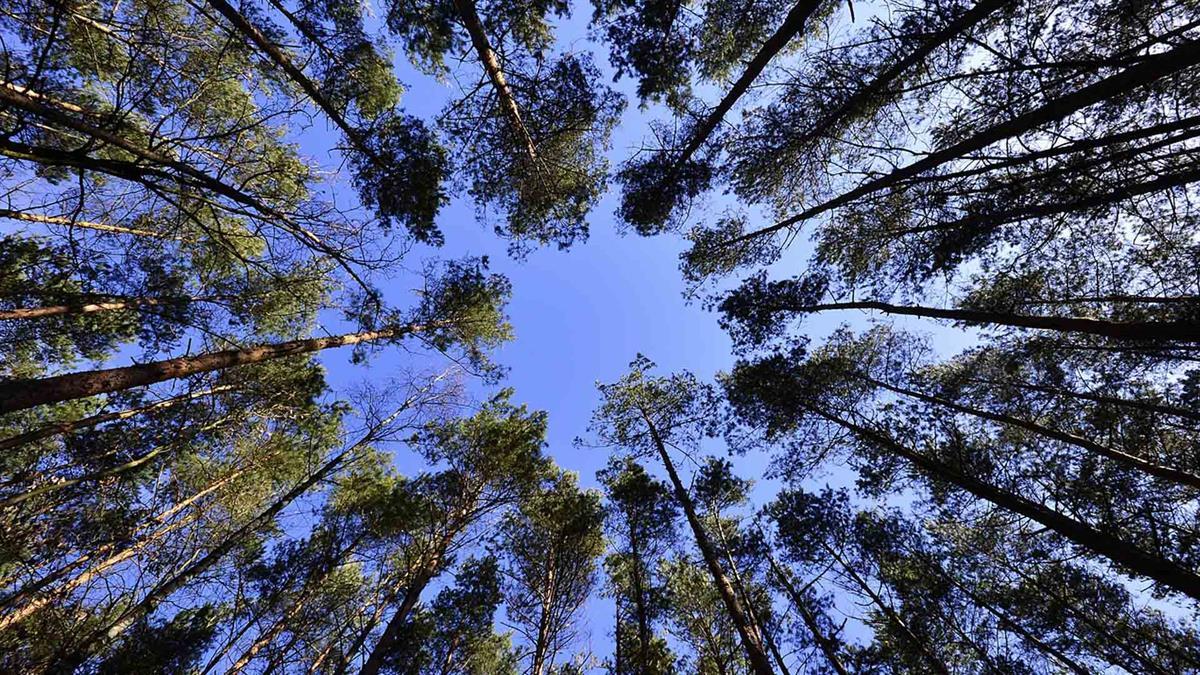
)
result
[(1161, 331), (759, 662), (22, 394), (491, 65), (1163, 571), (934, 661), (1168, 473), (75, 654), (1144, 72), (828, 648), (793, 25), (64, 428)]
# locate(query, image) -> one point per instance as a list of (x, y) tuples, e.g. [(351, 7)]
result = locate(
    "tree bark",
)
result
[(759, 663), (284, 62), (491, 65), (22, 394)]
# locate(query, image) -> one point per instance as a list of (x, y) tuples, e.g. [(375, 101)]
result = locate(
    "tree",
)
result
[(533, 132), (549, 548), (495, 461), (643, 413), (640, 519)]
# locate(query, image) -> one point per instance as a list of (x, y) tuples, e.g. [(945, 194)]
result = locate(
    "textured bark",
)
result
[(491, 65)]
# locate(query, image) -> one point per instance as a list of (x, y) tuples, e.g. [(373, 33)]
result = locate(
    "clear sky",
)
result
[(582, 315)]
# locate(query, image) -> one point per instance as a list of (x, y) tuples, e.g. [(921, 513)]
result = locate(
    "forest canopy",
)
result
[(256, 413)]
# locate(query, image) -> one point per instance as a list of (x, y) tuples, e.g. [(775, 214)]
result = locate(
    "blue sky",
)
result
[(582, 315)]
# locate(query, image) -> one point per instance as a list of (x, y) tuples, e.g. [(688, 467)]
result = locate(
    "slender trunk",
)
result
[(1140, 330), (1100, 627), (18, 313), (88, 225), (759, 662), (312, 580), (22, 394), (491, 65), (1144, 72), (151, 600), (617, 664), (1163, 571), (752, 612), (457, 523), (541, 646), (827, 646), (395, 625), (992, 220), (1012, 625), (1096, 398), (1132, 461), (793, 25), (921, 645), (880, 85), (64, 428), (113, 560), (639, 594), (284, 62)]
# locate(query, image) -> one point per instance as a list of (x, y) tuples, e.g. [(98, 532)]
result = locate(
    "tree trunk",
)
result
[(1085, 536), (1012, 625), (759, 662), (491, 65), (1096, 398), (106, 632), (22, 394), (792, 26), (921, 645), (1145, 71), (828, 648), (280, 59), (88, 225), (64, 428), (1142, 331), (1158, 470), (880, 85)]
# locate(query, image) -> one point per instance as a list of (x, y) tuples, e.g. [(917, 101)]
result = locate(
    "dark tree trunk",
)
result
[(1145, 71), (1163, 331), (1163, 571), (759, 662)]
